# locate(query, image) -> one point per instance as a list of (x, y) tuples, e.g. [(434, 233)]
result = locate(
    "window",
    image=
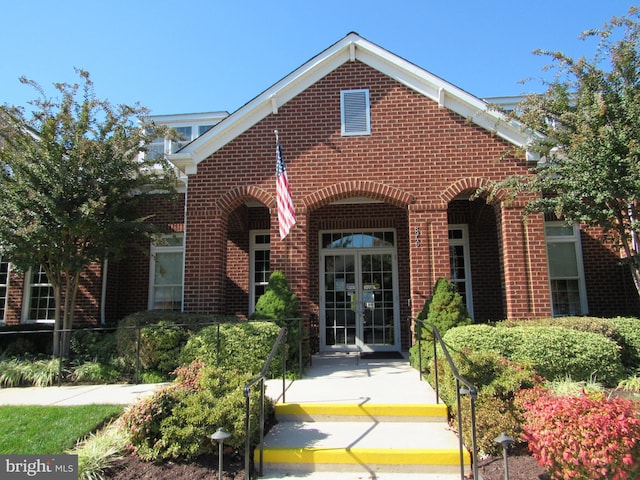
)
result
[(355, 115), (260, 266), (4, 284), (566, 276), (166, 272), (459, 263), (204, 129), (375, 239), (184, 135), (41, 301)]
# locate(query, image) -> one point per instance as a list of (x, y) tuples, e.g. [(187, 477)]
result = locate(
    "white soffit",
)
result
[(410, 75)]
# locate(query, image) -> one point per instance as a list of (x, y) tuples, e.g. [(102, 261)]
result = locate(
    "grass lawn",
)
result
[(50, 430)]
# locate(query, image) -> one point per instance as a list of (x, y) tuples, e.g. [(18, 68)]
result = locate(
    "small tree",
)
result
[(71, 183), (277, 302), (445, 309), (589, 121)]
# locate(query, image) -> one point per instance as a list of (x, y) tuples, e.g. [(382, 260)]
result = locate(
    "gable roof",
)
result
[(350, 48)]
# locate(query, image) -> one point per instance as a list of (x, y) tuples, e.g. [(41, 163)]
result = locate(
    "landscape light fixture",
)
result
[(505, 440), (220, 436)]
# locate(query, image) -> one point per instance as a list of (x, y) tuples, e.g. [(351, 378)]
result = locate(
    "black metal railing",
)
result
[(260, 379), (463, 387)]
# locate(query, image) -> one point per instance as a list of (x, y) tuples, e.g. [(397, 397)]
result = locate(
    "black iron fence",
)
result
[(13, 343)]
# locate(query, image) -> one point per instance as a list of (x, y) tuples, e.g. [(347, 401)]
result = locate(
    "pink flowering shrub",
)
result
[(584, 437)]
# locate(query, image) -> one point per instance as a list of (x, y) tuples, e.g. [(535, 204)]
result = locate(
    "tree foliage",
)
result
[(72, 180), (587, 126)]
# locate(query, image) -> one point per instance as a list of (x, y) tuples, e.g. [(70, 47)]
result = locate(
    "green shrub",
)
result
[(96, 346), (244, 346), (629, 332), (280, 304), (554, 352), (160, 346), (445, 309), (624, 331), (498, 380), (603, 326), (488, 371), (94, 372), (494, 415), (177, 421), (277, 301), (161, 339)]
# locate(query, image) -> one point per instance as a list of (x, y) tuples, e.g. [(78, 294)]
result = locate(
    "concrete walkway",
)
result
[(345, 378), (118, 394)]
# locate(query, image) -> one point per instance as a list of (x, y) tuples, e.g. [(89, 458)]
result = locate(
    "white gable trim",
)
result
[(352, 47)]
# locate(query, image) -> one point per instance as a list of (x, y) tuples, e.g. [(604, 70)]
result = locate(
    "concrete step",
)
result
[(365, 447), (365, 412), (288, 475)]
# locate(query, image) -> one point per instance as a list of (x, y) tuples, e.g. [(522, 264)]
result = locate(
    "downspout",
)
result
[(184, 239)]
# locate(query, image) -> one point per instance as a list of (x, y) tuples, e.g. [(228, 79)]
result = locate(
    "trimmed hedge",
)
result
[(629, 333), (554, 352), (624, 331), (243, 346)]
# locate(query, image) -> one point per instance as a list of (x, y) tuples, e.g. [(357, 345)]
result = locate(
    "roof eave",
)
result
[(350, 48)]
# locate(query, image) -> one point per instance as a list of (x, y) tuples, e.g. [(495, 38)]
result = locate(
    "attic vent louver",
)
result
[(356, 119)]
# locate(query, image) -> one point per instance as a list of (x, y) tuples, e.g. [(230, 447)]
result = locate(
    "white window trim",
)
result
[(6, 296), (152, 266), (574, 238), (464, 241), (367, 107), (26, 299), (252, 264)]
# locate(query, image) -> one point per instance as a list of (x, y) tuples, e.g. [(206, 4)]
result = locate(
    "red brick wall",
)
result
[(610, 289), (87, 301), (418, 158), (128, 279)]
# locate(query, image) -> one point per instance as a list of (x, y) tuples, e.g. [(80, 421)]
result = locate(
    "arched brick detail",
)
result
[(236, 196), (359, 188), (463, 185)]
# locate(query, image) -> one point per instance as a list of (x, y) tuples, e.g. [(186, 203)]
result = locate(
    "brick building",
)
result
[(383, 158)]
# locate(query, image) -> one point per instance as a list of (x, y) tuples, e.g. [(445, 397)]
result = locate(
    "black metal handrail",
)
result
[(469, 389), (280, 341)]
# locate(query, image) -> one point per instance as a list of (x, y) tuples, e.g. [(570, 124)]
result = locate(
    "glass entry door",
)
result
[(359, 308)]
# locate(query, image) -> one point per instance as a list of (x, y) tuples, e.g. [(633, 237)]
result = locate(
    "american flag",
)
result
[(286, 212)]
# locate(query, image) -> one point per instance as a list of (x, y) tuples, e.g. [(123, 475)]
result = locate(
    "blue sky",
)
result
[(197, 56)]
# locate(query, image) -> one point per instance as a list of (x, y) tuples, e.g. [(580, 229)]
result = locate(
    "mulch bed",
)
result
[(521, 467)]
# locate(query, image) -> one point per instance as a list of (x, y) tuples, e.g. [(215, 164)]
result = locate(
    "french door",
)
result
[(359, 302)]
